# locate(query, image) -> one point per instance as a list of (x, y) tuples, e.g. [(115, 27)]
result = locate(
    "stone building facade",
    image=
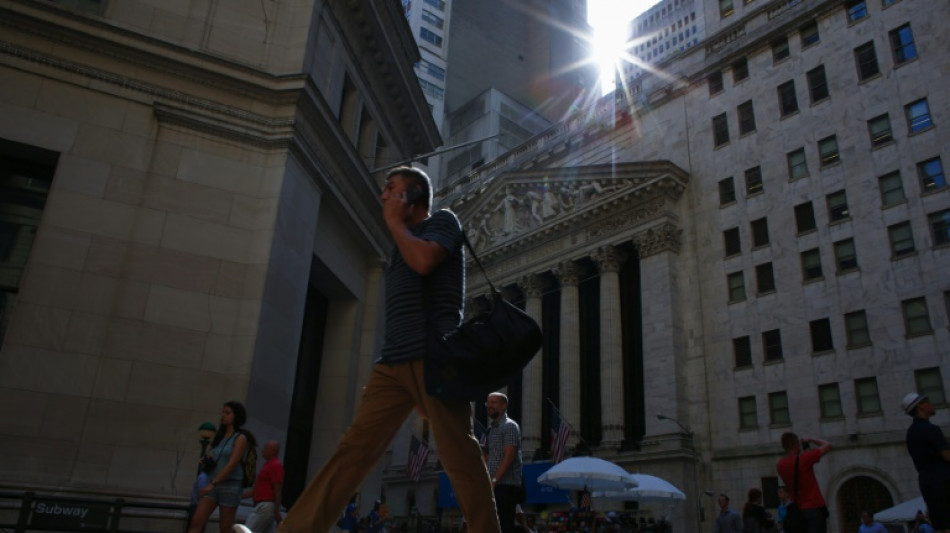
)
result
[(770, 213), (188, 213)]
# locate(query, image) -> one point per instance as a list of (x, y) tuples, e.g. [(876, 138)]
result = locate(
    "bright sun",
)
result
[(610, 18)]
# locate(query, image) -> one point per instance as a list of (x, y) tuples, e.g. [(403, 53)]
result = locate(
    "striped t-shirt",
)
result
[(415, 304)]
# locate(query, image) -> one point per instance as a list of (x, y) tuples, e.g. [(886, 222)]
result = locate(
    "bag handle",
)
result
[(494, 291), (795, 495)]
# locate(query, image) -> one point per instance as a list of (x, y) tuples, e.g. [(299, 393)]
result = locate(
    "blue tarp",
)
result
[(536, 493)]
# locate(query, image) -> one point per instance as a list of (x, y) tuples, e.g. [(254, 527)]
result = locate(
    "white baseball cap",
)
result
[(910, 401)]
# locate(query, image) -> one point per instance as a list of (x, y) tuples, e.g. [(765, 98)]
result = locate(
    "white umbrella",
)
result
[(902, 512), (587, 473), (648, 489)]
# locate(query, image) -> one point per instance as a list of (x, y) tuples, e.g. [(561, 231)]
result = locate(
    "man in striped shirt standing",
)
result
[(425, 289)]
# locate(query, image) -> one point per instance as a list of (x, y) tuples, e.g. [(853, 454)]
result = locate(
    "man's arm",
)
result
[(277, 497), (823, 445), (421, 255), (510, 452)]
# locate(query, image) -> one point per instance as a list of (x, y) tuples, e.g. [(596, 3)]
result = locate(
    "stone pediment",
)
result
[(519, 209)]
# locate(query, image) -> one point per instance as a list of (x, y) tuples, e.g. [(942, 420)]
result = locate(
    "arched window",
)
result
[(860, 493)]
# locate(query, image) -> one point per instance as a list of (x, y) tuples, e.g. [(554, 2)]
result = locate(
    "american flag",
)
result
[(560, 432), (418, 453)]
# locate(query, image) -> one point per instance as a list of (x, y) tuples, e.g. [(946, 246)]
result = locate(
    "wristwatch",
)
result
[(494, 480)]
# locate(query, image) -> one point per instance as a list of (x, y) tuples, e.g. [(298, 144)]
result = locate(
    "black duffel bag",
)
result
[(484, 353)]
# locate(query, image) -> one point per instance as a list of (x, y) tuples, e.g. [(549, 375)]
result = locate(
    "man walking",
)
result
[(803, 487), (424, 287), (266, 493), (931, 455), (504, 460), (728, 520)]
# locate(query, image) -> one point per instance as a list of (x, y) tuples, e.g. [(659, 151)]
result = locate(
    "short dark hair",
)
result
[(417, 178), (723, 495), (789, 441)]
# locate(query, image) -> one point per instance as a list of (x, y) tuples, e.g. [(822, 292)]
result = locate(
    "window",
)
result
[(809, 33), (438, 4), (725, 8), (26, 175), (857, 10), (879, 128), (736, 287), (931, 175), (829, 400), (821, 340), (930, 384), (811, 265), (918, 116), (780, 49), (432, 18), (838, 206), (742, 348), (765, 278), (916, 317), (828, 151), (845, 256), (430, 36), (748, 417), (432, 69), (727, 191), (866, 59), (797, 166), (778, 409), (869, 402), (731, 241), (940, 227), (856, 328), (740, 70), (772, 345), (804, 218), (817, 84), (902, 43), (753, 181), (902, 240), (886, 3), (746, 118), (720, 130), (715, 82), (892, 189), (787, 101), (760, 232)]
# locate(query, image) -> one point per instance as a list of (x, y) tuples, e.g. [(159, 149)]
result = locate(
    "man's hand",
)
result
[(396, 210)]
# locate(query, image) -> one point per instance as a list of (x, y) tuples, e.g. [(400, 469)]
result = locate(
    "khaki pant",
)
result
[(389, 397)]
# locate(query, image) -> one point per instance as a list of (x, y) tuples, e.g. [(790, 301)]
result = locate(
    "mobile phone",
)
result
[(413, 195)]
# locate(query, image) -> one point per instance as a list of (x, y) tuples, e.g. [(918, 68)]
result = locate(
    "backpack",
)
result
[(249, 464)]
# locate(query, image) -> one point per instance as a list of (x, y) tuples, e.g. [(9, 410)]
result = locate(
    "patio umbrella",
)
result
[(587, 473), (649, 489)]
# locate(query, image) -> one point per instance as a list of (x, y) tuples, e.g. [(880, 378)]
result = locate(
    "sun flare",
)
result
[(610, 20)]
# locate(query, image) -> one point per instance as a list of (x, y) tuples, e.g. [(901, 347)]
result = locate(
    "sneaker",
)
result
[(241, 528)]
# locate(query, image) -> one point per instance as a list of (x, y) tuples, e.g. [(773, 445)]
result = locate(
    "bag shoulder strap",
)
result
[(478, 262), (795, 494)]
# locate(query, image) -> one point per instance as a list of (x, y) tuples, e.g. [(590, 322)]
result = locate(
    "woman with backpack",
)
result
[(225, 468)]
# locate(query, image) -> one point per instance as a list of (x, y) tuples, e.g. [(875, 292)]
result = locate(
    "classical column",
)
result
[(608, 260), (532, 403), (568, 274)]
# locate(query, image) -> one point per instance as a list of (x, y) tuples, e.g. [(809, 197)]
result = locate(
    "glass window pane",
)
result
[(856, 324)]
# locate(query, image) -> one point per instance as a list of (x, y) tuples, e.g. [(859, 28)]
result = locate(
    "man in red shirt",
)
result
[(266, 493), (807, 495)]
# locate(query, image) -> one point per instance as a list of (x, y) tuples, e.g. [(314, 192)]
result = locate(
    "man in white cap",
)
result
[(931, 454)]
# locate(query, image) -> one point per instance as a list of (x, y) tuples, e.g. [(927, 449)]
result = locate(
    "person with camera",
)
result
[(223, 465), (930, 451), (803, 486)]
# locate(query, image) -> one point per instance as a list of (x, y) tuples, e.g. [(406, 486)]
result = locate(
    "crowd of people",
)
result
[(424, 299)]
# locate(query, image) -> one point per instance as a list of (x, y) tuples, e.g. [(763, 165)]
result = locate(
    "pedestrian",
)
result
[(375, 519), (781, 510), (728, 520), (868, 525), (755, 519), (424, 295), (803, 486), (921, 523), (223, 465), (266, 493), (504, 460), (931, 455)]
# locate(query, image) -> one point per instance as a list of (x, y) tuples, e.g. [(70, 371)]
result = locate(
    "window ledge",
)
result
[(919, 334), (780, 425), (789, 115), (729, 204), (847, 271), (859, 346), (905, 255), (906, 62), (807, 232), (883, 145), (934, 190), (773, 362), (839, 418), (766, 293), (870, 78), (813, 280), (921, 131), (821, 101), (839, 221), (823, 352), (870, 415)]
